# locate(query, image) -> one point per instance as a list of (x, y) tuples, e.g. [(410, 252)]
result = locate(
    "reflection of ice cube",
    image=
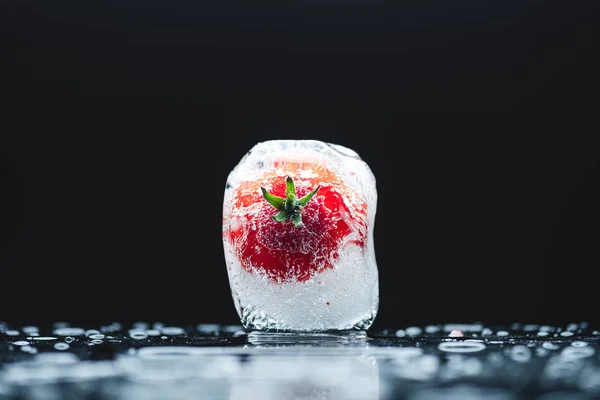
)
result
[(341, 298), (307, 377)]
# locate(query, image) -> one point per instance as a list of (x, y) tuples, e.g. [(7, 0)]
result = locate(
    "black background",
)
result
[(123, 118)]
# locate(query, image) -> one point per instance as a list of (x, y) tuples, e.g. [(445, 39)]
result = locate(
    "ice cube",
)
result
[(298, 218)]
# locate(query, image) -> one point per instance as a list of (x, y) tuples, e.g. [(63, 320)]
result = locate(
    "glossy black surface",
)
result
[(209, 361)]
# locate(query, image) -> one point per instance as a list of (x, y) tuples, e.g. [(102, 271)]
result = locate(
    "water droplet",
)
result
[(463, 327), (208, 328), (138, 334), (21, 343), (549, 346), (414, 331), (530, 327), (140, 325), (172, 330), (579, 343), (461, 347), (577, 352), (29, 329), (431, 329), (97, 336), (112, 328), (572, 327), (61, 346), (69, 331), (29, 349), (520, 353), (540, 352), (231, 328)]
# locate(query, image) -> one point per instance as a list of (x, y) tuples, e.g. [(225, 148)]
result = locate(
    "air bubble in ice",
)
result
[(97, 341), (61, 346), (152, 332), (542, 333), (502, 333), (461, 347), (566, 333), (12, 332), (69, 339), (69, 331), (400, 333), (140, 325), (91, 332), (21, 343), (44, 338)]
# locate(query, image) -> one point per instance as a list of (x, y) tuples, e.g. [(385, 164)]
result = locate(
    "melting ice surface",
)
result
[(210, 361)]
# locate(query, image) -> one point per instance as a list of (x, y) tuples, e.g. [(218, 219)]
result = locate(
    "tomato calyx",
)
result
[(290, 206)]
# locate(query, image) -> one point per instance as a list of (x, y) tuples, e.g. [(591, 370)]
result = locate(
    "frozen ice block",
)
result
[(298, 219)]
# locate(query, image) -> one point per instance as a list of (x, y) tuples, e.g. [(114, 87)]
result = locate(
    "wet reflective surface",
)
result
[(207, 361)]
